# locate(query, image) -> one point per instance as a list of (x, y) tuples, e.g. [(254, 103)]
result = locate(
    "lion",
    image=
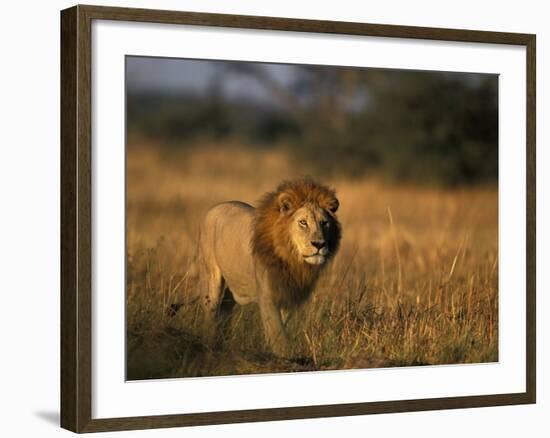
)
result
[(271, 255)]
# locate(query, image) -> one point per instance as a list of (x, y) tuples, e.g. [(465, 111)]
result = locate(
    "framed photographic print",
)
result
[(268, 218)]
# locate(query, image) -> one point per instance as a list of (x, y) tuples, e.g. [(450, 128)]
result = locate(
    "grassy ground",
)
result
[(415, 281)]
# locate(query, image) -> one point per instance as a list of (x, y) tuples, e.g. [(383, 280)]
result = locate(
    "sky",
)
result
[(194, 76), (174, 75)]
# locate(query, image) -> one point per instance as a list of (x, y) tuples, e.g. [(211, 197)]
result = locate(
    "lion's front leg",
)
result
[(273, 327)]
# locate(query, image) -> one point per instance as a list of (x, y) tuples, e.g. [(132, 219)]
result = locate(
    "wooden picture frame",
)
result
[(76, 218)]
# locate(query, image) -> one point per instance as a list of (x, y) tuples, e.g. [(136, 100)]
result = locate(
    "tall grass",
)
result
[(415, 281)]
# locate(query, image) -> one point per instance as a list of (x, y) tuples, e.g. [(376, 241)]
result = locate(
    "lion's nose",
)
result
[(319, 244)]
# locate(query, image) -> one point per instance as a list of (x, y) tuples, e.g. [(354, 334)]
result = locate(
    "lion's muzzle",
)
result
[(320, 255)]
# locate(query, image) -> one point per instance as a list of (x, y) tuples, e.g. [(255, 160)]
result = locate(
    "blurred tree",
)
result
[(424, 126), (435, 126), (432, 127)]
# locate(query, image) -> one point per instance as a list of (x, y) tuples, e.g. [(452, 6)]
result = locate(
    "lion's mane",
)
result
[(293, 280)]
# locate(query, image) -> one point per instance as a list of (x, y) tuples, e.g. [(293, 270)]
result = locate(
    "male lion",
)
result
[(271, 255)]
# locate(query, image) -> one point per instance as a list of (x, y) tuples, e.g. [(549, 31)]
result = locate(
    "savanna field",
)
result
[(415, 281)]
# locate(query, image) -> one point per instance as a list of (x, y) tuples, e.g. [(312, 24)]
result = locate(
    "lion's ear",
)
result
[(333, 205), (285, 203)]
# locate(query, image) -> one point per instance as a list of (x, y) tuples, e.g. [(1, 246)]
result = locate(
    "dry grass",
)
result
[(415, 281)]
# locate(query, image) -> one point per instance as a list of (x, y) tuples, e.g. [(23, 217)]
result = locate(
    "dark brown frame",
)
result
[(76, 172)]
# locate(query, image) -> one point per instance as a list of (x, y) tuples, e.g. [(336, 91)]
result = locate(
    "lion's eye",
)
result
[(303, 223)]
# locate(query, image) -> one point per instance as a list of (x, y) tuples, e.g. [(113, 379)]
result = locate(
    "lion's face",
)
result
[(310, 233), (312, 228)]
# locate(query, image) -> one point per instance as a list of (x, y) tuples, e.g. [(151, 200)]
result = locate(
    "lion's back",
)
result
[(229, 218)]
